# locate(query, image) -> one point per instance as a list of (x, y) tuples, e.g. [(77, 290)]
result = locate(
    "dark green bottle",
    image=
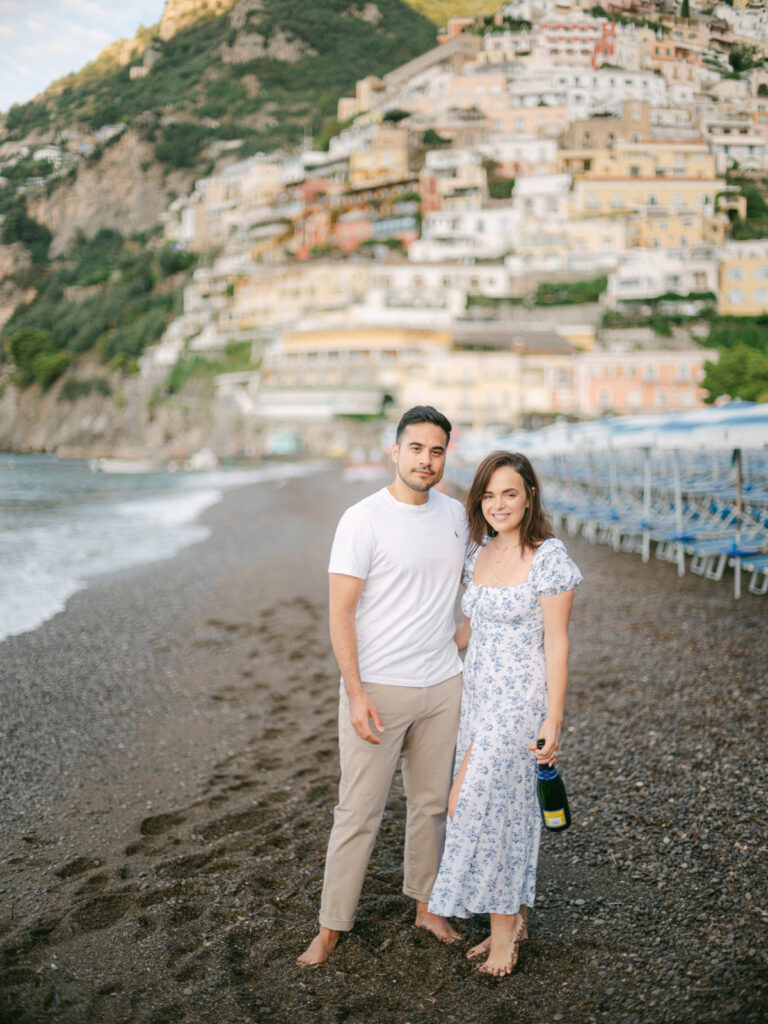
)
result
[(553, 801)]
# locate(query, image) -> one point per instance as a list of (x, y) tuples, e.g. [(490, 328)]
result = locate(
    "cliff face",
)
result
[(126, 424), (13, 260), (126, 190)]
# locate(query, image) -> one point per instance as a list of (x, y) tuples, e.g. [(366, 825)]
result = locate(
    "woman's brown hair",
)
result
[(535, 526)]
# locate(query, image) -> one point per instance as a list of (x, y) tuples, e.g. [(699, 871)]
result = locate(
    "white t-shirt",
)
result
[(410, 557)]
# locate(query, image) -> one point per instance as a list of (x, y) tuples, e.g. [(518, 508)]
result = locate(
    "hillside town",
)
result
[(527, 221)]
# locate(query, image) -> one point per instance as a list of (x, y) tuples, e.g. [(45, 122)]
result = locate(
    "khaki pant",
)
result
[(421, 723)]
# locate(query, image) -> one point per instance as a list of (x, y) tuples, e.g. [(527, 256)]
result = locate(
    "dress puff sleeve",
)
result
[(553, 571), (469, 566)]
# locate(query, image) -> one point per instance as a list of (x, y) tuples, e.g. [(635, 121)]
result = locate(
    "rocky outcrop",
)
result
[(370, 13), (126, 190), (178, 14), (243, 9), (281, 46)]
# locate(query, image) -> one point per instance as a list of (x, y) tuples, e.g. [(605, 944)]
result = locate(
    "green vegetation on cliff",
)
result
[(569, 292), (112, 297), (266, 81), (741, 370)]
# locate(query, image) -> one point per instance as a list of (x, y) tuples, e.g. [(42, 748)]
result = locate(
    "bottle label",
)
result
[(553, 819)]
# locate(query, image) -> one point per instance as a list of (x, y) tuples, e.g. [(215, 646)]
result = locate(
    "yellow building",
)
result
[(386, 159), (275, 296), (664, 191), (543, 122), (744, 278), (651, 159), (221, 204), (667, 229), (369, 92)]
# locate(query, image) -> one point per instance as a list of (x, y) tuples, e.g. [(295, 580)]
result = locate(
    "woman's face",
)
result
[(504, 501)]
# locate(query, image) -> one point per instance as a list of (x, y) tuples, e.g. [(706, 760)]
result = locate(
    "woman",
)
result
[(519, 590)]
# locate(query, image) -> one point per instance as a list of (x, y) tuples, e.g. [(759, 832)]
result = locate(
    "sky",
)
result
[(41, 40)]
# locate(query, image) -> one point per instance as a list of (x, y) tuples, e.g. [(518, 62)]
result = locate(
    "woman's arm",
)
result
[(463, 633), (556, 611)]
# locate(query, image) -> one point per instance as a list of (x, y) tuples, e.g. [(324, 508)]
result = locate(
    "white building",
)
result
[(520, 154), (466, 234), (542, 197), (585, 91), (649, 273)]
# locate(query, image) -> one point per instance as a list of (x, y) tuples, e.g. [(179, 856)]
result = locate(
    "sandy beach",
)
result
[(168, 770)]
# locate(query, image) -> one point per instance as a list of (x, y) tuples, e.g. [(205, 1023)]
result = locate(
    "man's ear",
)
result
[(395, 450)]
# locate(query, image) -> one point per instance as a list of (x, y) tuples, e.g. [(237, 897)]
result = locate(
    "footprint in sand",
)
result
[(76, 867), (159, 824), (102, 911)]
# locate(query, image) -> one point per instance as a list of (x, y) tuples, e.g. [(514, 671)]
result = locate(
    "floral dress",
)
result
[(492, 843)]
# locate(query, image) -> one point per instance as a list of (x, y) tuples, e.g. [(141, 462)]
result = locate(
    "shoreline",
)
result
[(176, 877), (111, 526)]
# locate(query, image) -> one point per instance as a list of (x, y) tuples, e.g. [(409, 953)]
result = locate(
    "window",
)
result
[(761, 296), (735, 274), (736, 297), (761, 273)]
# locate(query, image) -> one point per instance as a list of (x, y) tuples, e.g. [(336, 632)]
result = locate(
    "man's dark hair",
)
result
[(424, 414)]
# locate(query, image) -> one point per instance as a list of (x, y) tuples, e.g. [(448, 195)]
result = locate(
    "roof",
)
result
[(511, 338)]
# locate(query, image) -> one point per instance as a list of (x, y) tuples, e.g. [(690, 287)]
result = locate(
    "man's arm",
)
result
[(344, 597)]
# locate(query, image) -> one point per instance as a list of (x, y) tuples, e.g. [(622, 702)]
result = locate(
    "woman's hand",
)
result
[(463, 633), (550, 733)]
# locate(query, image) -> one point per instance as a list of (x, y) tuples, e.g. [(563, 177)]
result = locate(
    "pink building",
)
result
[(642, 381)]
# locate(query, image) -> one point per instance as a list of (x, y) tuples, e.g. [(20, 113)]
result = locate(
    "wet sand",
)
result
[(168, 771)]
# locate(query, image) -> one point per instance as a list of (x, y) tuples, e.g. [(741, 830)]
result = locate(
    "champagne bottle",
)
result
[(553, 801)]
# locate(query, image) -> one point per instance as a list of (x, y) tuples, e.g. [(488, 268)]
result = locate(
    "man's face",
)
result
[(420, 456)]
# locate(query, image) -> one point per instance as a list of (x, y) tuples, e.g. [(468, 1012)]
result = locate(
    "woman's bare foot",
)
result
[(319, 949), (434, 923), (479, 949), (506, 931), (485, 945)]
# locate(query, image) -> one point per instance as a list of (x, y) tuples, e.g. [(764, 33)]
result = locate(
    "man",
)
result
[(394, 571)]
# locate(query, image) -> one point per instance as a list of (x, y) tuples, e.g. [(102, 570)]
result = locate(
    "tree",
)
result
[(395, 115), (18, 226), (431, 138), (741, 372), (685, 9), (36, 357), (743, 57)]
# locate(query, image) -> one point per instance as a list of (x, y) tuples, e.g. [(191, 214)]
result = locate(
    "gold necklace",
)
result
[(500, 560)]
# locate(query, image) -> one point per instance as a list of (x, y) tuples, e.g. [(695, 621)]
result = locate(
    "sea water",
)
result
[(62, 523)]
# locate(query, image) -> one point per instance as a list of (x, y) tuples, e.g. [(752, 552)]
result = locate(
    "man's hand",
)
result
[(361, 711)]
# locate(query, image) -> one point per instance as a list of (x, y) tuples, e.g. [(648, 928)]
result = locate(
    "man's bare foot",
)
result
[(436, 924), (506, 932), (319, 949)]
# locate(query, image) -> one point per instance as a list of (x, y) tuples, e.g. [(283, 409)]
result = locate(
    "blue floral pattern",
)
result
[(492, 843)]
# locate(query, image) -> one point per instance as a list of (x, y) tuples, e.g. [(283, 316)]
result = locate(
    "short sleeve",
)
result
[(553, 570), (352, 550)]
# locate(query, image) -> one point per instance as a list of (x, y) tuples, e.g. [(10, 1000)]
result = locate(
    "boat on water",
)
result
[(126, 466)]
